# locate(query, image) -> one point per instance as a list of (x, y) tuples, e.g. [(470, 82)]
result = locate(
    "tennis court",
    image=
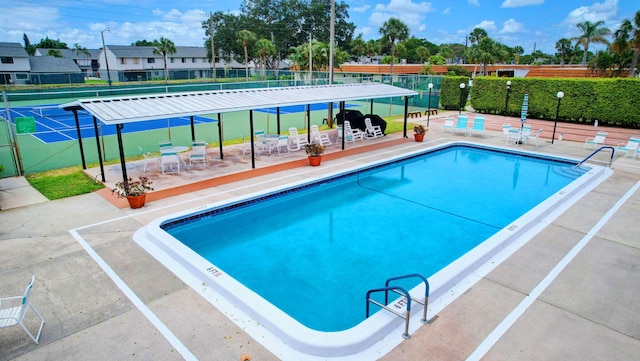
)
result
[(57, 125)]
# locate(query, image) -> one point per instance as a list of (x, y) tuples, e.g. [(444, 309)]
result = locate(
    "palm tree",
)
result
[(358, 46), (372, 48), (246, 37), (264, 48), (394, 29), (476, 35), (517, 51), (563, 46), (632, 30), (423, 53), (446, 52), (591, 33), (163, 47)]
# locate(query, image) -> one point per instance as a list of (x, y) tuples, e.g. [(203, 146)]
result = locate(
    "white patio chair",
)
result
[(630, 148), (282, 145), (319, 137), (198, 153), (595, 141), (148, 157), (163, 144), (170, 162), (351, 135), (298, 141), (14, 309), (448, 124), (372, 131)]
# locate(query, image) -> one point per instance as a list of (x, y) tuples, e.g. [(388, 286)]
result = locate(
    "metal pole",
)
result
[(123, 163), (429, 104), (253, 158), (220, 134), (555, 123), (75, 116), (106, 61), (95, 129), (506, 102), (406, 110)]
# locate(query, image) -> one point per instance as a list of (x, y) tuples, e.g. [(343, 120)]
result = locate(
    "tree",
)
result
[(264, 48), (446, 52), (517, 52), (563, 45), (358, 46), (476, 35), (394, 29), (632, 31), (163, 47), (143, 43), (47, 43), (30, 49), (591, 33), (423, 53), (246, 38), (56, 53), (372, 48)]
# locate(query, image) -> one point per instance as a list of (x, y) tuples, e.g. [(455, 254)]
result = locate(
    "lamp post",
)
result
[(429, 103), (106, 61), (506, 102), (461, 100), (560, 95)]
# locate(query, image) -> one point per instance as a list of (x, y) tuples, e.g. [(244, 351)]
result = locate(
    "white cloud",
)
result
[(605, 11), (410, 13), (520, 3), (360, 9), (446, 11), (474, 2), (487, 25), (511, 26)]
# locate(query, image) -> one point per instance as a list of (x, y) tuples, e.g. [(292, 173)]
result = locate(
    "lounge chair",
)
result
[(630, 148), (463, 120), (148, 157), (448, 124), (478, 126), (170, 162), (372, 131), (351, 135), (14, 309), (198, 153), (598, 139), (319, 137), (298, 141), (513, 135), (163, 144)]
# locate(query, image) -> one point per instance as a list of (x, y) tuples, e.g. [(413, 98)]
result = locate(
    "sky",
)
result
[(532, 24)]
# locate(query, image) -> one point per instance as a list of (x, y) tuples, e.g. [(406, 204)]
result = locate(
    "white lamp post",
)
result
[(506, 102), (560, 95), (462, 86), (106, 61), (429, 103)]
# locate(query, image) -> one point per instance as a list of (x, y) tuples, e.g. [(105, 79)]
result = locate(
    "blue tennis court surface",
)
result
[(57, 125), (301, 108)]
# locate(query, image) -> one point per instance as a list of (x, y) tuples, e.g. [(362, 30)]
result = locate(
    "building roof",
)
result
[(50, 64), (126, 51), (71, 53), (14, 50), (150, 107)]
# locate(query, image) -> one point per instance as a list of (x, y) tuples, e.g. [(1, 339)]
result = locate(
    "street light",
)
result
[(560, 95), (106, 61), (461, 94), (506, 103), (429, 104)]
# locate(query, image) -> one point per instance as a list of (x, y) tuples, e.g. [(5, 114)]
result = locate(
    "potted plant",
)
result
[(418, 132), (134, 191), (314, 153)]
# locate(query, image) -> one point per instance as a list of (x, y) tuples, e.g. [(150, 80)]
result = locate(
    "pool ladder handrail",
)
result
[(613, 151), (401, 291)]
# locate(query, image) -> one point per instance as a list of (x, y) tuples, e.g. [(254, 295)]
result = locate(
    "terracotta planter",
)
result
[(419, 137), (315, 161), (137, 201)]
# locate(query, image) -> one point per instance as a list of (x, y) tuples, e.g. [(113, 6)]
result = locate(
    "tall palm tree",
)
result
[(476, 35), (246, 37), (446, 52), (358, 46), (563, 46), (163, 47), (591, 33), (394, 29), (423, 53), (632, 30), (372, 48), (264, 48)]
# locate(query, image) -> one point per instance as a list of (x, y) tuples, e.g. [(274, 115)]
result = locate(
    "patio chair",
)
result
[(350, 134), (298, 140), (165, 144), (505, 129), (598, 139), (372, 131), (448, 124), (631, 147), (14, 309), (198, 153), (463, 120), (513, 135), (148, 157), (319, 137), (170, 162), (535, 137), (283, 143), (478, 126)]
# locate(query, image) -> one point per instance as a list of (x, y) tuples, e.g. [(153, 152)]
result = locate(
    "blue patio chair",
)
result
[(463, 120), (478, 126)]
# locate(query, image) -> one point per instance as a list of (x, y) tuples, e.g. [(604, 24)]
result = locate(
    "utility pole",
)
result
[(213, 54)]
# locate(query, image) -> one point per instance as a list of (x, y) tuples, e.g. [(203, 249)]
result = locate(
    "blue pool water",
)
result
[(314, 252)]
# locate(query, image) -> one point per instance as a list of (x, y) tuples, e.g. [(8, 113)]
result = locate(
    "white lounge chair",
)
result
[(513, 135), (351, 135), (170, 162), (148, 157), (597, 140), (198, 153), (298, 141), (448, 124), (478, 126), (14, 309), (319, 137), (535, 137), (164, 144), (630, 148), (372, 131)]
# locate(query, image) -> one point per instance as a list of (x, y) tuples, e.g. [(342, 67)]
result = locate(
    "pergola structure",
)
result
[(119, 111)]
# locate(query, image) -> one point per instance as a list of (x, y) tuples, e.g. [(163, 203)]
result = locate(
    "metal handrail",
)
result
[(407, 315), (424, 303), (613, 151)]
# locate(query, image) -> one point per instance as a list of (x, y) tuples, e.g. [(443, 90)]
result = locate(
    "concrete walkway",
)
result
[(105, 298)]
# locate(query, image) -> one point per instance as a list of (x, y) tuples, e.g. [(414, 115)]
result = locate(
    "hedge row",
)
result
[(613, 102)]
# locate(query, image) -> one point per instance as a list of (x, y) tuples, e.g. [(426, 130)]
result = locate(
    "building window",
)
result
[(173, 60), (193, 60), (136, 60), (6, 60), (184, 60), (151, 60), (21, 76), (123, 60)]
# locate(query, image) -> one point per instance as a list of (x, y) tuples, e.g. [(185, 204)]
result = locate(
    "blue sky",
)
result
[(529, 23)]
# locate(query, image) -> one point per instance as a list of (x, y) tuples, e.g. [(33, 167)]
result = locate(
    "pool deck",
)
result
[(570, 293)]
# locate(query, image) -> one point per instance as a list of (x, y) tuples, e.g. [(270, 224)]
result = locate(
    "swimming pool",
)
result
[(520, 189)]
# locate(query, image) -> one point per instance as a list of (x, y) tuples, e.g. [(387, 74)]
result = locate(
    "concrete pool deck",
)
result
[(587, 310)]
